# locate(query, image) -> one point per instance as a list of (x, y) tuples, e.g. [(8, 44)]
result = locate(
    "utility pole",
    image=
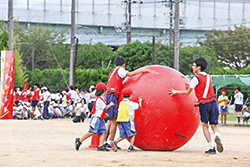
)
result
[(10, 19), (171, 23), (72, 50), (153, 50), (129, 22), (176, 35)]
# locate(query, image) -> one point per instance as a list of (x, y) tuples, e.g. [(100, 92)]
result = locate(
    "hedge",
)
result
[(56, 79)]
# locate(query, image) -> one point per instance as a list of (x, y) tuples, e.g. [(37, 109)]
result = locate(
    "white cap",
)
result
[(44, 88), (64, 105), (63, 91), (54, 105), (91, 87)]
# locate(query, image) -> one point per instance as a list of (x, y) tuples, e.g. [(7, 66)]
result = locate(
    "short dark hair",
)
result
[(86, 90), (72, 87), (100, 92), (201, 62), (238, 88), (83, 99), (119, 61), (37, 84)]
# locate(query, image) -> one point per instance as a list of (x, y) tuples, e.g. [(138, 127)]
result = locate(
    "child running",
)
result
[(125, 117), (97, 124)]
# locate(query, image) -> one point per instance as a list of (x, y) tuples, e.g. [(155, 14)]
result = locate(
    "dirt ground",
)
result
[(51, 143)]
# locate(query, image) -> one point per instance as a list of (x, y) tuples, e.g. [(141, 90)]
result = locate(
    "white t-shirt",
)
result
[(92, 96), (74, 95), (81, 109), (122, 73), (82, 95), (238, 98), (46, 94), (87, 97), (53, 96), (132, 107), (57, 96), (100, 106)]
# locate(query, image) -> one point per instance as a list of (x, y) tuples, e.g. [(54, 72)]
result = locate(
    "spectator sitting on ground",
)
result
[(81, 109)]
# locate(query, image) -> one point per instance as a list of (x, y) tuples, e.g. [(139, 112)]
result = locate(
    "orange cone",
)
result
[(95, 141)]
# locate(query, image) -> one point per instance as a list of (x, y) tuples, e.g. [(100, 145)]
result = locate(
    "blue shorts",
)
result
[(34, 103), (238, 107), (113, 110), (127, 129), (209, 113), (97, 125), (222, 109)]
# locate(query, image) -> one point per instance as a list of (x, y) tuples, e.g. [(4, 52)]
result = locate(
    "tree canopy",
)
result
[(231, 47)]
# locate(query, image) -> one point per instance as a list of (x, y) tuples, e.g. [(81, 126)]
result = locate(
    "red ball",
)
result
[(163, 122)]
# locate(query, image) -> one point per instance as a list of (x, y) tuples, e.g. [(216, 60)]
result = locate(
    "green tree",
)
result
[(189, 54), (137, 54), (47, 44), (231, 47), (20, 71), (94, 56), (4, 37)]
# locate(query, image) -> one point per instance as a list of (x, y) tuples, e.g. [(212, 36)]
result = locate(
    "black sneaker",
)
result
[(219, 145), (211, 151), (113, 146), (116, 145), (108, 146), (131, 148), (102, 148), (77, 144)]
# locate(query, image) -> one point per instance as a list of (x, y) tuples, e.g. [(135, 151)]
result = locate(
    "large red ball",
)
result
[(163, 122)]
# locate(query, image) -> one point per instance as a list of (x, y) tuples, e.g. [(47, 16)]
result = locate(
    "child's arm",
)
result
[(172, 92), (109, 105), (133, 73), (140, 101)]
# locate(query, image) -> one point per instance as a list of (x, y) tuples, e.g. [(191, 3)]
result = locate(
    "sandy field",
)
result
[(51, 143)]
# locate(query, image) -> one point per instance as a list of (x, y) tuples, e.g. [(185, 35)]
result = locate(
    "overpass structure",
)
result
[(106, 20)]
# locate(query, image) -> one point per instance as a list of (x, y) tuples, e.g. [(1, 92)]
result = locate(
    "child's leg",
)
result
[(221, 117), (108, 129), (102, 139), (119, 139), (132, 140), (225, 117), (85, 136)]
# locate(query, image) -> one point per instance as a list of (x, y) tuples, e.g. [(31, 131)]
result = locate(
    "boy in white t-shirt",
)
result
[(238, 103), (97, 124), (126, 114)]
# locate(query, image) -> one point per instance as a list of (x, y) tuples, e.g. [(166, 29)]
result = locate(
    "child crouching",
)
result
[(125, 117), (97, 124)]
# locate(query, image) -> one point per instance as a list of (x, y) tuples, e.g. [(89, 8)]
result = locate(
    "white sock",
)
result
[(211, 145), (217, 134)]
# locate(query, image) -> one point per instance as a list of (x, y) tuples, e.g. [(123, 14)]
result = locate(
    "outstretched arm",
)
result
[(172, 92), (133, 73)]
